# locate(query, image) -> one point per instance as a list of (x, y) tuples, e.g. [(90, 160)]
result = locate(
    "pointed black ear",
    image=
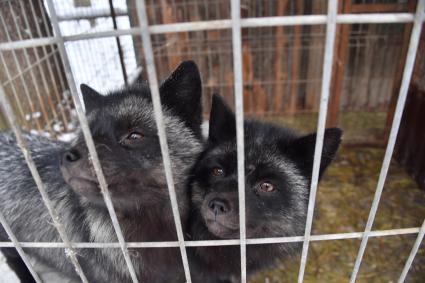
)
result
[(181, 92), (90, 96), (222, 121), (302, 150)]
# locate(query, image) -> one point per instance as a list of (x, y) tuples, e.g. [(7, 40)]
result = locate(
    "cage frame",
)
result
[(236, 23)]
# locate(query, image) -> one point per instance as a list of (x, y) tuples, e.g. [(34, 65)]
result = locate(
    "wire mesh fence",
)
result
[(52, 54)]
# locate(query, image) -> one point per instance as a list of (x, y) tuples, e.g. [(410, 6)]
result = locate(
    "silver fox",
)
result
[(124, 130)]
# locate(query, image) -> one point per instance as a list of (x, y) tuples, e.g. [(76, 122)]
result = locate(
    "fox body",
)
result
[(278, 165), (124, 131)]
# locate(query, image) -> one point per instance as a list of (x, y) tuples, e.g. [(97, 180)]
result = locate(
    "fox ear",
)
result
[(90, 96), (181, 92), (302, 150), (222, 121)]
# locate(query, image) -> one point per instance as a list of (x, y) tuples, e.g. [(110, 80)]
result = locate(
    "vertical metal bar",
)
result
[(237, 69), (407, 74), (120, 51), (32, 74), (17, 245), (412, 255), (154, 87), (89, 140), (325, 90), (40, 185)]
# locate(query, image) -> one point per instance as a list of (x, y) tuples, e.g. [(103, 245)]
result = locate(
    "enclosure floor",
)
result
[(343, 202)]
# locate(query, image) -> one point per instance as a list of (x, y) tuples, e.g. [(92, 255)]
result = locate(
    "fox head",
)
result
[(278, 167), (124, 131)]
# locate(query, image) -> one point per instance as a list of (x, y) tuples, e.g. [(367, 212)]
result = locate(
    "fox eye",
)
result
[(131, 138), (217, 171), (267, 187), (134, 136)]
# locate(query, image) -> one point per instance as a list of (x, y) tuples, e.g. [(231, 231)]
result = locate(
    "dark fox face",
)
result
[(278, 166), (124, 131)]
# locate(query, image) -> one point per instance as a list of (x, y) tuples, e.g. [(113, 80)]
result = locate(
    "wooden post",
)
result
[(296, 61), (281, 75), (340, 62), (315, 60), (399, 73), (173, 46)]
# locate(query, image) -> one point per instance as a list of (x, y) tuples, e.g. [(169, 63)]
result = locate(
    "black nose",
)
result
[(71, 156), (219, 206)]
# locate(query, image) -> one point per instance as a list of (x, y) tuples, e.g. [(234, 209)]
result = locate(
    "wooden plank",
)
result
[(401, 145), (340, 61), (378, 8), (296, 61), (248, 77), (399, 73), (173, 48), (315, 60), (281, 75)]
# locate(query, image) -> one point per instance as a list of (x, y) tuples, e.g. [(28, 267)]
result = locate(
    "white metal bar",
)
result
[(321, 123), (220, 24), (211, 243), (159, 119), (89, 140), (375, 18), (40, 185), (237, 70), (407, 74), (18, 246), (91, 14), (412, 255)]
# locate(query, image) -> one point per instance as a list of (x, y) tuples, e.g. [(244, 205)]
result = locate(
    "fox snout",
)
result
[(218, 206), (74, 165)]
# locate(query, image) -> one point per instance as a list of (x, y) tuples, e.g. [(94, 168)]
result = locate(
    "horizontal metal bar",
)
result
[(375, 18), (407, 74), (102, 34), (91, 14), (27, 43), (212, 243), (190, 26), (220, 24)]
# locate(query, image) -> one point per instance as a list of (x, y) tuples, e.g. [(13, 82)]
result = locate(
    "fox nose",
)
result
[(71, 156), (218, 206)]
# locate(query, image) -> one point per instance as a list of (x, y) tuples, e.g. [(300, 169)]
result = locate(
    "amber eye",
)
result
[(267, 187), (217, 171), (134, 136)]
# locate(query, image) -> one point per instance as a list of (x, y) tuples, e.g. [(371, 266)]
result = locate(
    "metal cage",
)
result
[(331, 20)]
